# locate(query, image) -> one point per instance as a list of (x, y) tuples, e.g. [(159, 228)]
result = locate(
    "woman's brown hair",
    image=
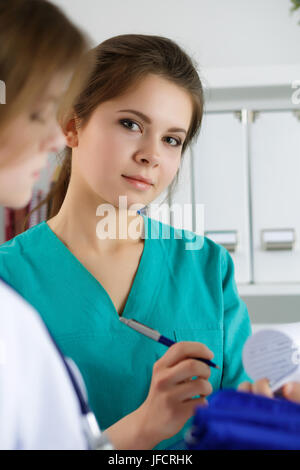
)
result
[(37, 41), (119, 63)]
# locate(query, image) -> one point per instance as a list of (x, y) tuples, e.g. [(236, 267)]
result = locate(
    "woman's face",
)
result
[(137, 134), (25, 144)]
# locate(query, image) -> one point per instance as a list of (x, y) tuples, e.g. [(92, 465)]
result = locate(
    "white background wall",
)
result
[(226, 34)]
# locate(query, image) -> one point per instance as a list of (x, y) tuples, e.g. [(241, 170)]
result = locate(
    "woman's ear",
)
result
[(71, 133)]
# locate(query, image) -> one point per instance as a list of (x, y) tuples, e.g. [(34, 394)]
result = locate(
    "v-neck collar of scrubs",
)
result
[(141, 297)]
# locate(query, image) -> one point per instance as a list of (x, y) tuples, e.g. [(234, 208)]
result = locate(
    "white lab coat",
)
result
[(38, 406)]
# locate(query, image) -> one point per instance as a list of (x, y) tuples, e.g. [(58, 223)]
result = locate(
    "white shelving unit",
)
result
[(280, 289), (267, 302)]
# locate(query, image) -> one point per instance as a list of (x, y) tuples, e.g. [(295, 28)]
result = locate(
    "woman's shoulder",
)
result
[(17, 252), (23, 241)]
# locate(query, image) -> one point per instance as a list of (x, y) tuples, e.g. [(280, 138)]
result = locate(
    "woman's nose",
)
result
[(149, 153)]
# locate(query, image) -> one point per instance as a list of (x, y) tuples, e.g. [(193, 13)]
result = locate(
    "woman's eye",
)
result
[(176, 142), (37, 117), (130, 124)]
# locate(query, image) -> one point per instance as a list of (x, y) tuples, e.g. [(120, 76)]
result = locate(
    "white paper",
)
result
[(274, 353)]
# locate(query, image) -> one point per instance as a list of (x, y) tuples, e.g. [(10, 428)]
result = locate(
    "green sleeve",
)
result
[(13, 266), (237, 327)]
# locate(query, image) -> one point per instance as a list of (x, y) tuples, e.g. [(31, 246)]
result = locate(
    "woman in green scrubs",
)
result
[(140, 109)]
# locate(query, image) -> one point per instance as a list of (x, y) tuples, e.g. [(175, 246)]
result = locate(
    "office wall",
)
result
[(267, 309), (220, 33)]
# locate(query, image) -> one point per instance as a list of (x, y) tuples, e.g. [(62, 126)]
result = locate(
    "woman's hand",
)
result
[(290, 391), (169, 403)]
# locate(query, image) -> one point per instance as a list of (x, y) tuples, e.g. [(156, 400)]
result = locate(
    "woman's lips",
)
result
[(137, 184)]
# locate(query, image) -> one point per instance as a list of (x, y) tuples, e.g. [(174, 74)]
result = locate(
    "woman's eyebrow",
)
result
[(148, 120)]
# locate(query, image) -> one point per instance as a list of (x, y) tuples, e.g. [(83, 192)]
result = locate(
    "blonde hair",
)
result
[(37, 41)]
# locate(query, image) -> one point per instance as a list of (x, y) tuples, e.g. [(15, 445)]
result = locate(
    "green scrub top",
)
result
[(184, 287)]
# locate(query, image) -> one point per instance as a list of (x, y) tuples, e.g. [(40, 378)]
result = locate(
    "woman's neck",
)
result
[(85, 224)]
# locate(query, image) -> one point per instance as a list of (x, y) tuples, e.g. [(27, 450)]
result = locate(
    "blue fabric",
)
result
[(186, 294), (239, 420)]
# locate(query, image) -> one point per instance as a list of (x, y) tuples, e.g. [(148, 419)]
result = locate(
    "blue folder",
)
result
[(240, 420)]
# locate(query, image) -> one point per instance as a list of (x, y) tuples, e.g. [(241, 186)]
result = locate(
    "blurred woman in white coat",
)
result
[(39, 49)]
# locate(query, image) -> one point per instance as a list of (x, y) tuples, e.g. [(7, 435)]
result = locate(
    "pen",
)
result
[(153, 334)]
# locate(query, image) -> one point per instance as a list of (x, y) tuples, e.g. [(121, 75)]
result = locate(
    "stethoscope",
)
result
[(95, 439)]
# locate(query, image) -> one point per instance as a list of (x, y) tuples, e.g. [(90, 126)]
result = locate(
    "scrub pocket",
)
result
[(213, 339)]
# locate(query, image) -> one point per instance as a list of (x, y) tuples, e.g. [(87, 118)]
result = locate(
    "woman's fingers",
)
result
[(189, 368), (245, 387), (184, 350), (291, 391), (171, 377), (260, 387), (188, 390)]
